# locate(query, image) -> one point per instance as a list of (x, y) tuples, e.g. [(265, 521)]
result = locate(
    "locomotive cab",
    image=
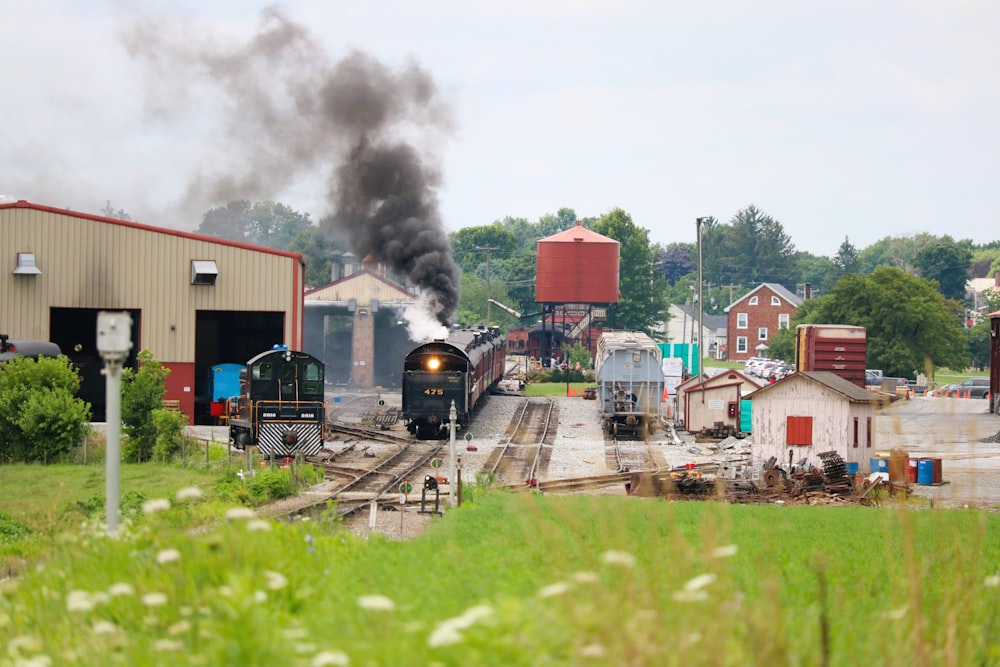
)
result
[(281, 407)]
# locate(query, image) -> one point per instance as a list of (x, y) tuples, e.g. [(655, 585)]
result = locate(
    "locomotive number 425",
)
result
[(432, 391)]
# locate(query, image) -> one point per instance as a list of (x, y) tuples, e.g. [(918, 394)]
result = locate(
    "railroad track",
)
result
[(523, 455), (629, 455), (392, 471), (365, 433)]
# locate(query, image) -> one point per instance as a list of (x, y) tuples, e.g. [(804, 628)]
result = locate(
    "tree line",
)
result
[(498, 261)]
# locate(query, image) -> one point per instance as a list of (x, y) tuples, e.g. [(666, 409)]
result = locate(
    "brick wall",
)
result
[(764, 314)]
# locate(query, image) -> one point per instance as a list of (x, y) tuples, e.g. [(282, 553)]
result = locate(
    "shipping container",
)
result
[(837, 348)]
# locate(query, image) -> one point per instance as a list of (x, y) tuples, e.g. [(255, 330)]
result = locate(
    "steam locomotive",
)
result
[(281, 407), (462, 368)]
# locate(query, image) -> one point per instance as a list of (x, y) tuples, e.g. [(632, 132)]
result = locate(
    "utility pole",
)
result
[(489, 312), (701, 302)]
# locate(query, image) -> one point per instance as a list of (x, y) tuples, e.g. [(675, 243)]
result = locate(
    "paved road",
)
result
[(952, 429)]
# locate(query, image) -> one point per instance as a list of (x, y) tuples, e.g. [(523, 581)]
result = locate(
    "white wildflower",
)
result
[(24, 644), (189, 493), (690, 596), (473, 614), (154, 599), (258, 524), (165, 645), (896, 614), (155, 505), (275, 580), (699, 582), (445, 634), (260, 597), (623, 558), (179, 628), (168, 556), (376, 603), (120, 589), (79, 601), (724, 552), (237, 513), (105, 628), (41, 660), (330, 659), (303, 647), (553, 589), (593, 651), (585, 577), (100, 597), (992, 581)]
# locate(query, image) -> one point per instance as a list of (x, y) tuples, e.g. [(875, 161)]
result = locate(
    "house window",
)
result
[(753, 301), (855, 431), (868, 432), (741, 344), (761, 333), (742, 320), (798, 431), (783, 320), (775, 301)]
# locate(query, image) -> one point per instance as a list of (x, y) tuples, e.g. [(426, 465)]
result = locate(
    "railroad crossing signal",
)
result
[(405, 487)]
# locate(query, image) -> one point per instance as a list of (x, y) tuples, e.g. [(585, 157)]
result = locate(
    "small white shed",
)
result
[(810, 412)]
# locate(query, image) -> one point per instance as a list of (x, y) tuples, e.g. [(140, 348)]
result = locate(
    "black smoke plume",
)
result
[(289, 112)]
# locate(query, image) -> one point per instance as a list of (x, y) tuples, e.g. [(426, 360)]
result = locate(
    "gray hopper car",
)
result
[(629, 383)]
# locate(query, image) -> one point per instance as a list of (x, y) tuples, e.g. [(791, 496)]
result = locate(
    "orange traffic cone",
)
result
[(666, 394)]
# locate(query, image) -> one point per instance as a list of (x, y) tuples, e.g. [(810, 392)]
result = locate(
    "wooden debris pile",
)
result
[(830, 485)]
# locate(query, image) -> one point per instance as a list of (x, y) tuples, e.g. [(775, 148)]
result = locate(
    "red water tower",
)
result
[(577, 266), (575, 270)]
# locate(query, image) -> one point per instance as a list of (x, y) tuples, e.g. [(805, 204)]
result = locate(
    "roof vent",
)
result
[(26, 264), (204, 272)]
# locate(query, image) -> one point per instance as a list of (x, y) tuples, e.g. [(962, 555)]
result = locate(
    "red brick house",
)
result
[(752, 319)]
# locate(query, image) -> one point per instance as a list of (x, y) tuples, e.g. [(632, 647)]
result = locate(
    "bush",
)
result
[(41, 419), (11, 530), (169, 426), (142, 393)]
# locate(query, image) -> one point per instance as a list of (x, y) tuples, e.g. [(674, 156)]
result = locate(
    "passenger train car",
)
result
[(281, 407), (461, 368), (629, 382)]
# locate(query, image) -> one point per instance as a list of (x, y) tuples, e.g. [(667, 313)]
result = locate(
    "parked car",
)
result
[(973, 388)]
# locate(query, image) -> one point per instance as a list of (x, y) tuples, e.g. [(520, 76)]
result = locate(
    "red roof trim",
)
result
[(150, 228)]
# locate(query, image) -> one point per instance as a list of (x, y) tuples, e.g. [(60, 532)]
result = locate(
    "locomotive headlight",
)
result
[(433, 364)]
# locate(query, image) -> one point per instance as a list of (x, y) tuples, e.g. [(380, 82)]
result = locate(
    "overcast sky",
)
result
[(841, 118)]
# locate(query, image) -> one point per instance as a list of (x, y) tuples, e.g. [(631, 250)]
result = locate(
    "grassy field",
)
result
[(510, 579)]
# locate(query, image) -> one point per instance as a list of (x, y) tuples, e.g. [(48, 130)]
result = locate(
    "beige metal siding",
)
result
[(89, 263)]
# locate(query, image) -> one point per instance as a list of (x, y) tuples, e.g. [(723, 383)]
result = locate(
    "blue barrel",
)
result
[(925, 471), (852, 468), (879, 465)]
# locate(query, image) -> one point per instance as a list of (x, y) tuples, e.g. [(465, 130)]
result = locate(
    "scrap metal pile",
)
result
[(805, 484)]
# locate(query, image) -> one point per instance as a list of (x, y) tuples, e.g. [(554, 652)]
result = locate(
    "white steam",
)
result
[(422, 324)]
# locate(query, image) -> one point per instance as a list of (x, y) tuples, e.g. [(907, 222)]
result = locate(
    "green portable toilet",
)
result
[(746, 423)]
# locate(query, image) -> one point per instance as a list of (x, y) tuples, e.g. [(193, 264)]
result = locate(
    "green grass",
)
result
[(524, 580)]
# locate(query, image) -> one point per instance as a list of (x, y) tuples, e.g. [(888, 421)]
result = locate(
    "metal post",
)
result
[(114, 340), (489, 311), (452, 418), (701, 302)]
